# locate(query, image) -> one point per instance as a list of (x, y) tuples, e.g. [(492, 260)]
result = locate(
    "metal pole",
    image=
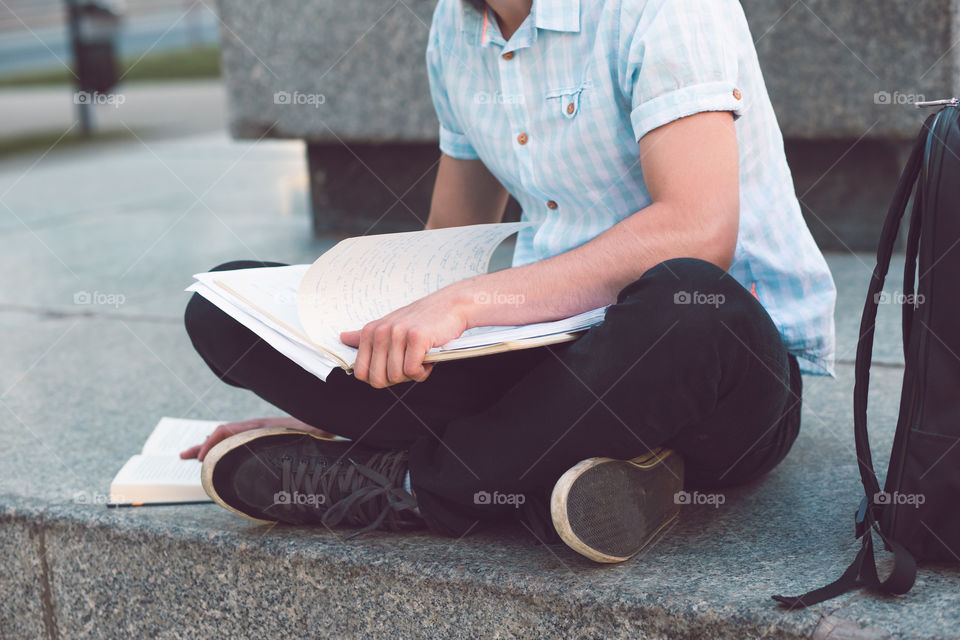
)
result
[(84, 114), (193, 23)]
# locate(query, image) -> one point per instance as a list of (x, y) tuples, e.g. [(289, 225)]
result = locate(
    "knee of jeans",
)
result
[(689, 290), (198, 315), (204, 321), (677, 277), (243, 264)]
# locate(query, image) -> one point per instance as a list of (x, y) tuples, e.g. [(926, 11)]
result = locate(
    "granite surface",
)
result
[(82, 385), (327, 70), (845, 187), (355, 71), (115, 573), (853, 69), (26, 610)]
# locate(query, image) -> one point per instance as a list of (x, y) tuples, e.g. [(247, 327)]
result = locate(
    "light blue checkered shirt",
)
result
[(583, 81)]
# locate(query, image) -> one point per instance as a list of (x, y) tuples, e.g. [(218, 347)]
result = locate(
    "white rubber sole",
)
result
[(648, 463)]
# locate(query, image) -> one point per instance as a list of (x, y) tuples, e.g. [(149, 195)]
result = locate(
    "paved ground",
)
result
[(148, 109), (82, 384)]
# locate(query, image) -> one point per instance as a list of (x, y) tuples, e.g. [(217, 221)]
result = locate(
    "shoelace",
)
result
[(356, 494)]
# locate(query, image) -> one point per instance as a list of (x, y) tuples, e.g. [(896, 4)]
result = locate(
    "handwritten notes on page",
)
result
[(365, 278)]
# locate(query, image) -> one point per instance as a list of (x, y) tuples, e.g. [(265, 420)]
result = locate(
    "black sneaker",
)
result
[(610, 510), (276, 474)]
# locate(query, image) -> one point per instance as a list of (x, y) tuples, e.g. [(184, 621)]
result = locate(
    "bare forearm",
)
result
[(592, 274)]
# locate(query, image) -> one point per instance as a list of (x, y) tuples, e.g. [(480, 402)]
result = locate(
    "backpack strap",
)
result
[(863, 570), (909, 308)]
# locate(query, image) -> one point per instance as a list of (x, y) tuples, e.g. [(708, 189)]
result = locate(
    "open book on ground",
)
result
[(157, 474), (300, 310)]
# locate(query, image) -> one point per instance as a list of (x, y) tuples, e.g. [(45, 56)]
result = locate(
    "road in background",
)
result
[(33, 33)]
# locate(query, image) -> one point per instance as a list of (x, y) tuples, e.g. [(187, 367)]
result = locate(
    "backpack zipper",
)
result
[(948, 102)]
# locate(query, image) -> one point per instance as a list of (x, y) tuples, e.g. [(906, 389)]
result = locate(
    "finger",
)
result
[(427, 370), (186, 454), (421, 375), (377, 376), (350, 338), (222, 432), (413, 359), (396, 358), (205, 449), (218, 434), (361, 365)]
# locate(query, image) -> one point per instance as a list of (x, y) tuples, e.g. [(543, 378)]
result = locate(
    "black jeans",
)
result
[(687, 359)]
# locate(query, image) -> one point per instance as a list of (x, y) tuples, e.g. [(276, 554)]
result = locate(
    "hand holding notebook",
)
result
[(301, 310)]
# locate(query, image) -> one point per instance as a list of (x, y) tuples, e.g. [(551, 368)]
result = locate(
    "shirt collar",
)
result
[(553, 15), (557, 15)]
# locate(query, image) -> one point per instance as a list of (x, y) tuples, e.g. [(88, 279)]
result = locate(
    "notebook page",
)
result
[(269, 294), (365, 278), (287, 343), (482, 336), (273, 289)]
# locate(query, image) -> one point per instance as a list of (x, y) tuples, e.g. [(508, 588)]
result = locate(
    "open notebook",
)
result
[(300, 310)]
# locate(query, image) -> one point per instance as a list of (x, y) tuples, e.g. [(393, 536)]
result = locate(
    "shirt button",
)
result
[(552, 205), (571, 108), (522, 138), (737, 94), (508, 55)]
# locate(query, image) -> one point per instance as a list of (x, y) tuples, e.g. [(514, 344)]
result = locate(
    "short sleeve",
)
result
[(681, 59), (453, 141)]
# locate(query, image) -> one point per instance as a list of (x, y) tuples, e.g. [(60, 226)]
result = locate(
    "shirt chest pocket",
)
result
[(568, 102)]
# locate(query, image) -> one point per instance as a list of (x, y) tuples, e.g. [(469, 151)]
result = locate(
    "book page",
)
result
[(157, 478), (365, 278), (141, 469), (173, 435)]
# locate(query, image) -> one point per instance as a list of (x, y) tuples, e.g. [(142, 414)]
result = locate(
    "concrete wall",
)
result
[(350, 78)]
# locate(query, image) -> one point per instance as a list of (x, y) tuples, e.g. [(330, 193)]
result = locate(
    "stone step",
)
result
[(79, 570)]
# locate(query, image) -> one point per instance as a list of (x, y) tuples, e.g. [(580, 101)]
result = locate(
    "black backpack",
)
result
[(917, 515)]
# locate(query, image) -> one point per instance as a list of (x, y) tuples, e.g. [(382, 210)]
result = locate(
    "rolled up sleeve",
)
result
[(453, 141), (456, 145), (680, 61)]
